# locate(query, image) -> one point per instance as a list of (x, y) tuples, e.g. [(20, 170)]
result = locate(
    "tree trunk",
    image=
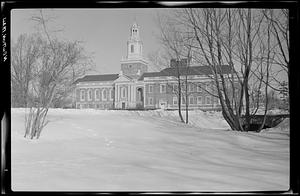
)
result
[(186, 102), (179, 101)]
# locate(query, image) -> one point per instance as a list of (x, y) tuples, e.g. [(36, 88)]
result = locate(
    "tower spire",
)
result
[(134, 44)]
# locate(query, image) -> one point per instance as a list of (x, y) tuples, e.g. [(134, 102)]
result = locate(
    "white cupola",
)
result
[(134, 43)]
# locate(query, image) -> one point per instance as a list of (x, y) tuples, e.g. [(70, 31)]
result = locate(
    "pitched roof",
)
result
[(98, 78), (170, 71), (192, 70)]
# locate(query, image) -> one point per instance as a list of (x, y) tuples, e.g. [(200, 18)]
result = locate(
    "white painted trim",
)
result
[(82, 92), (198, 89), (149, 88), (132, 93), (110, 94), (96, 86), (175, 99), (141, 60), (102, 94), (200, 100), (123, 92), (95, 93), (95, 83), (89, 95), (161, 88), (206, 102)]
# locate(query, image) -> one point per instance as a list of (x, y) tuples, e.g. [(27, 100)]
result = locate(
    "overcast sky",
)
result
[(104, 32)]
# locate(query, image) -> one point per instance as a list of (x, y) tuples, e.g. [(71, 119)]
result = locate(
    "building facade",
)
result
[(136, 88)]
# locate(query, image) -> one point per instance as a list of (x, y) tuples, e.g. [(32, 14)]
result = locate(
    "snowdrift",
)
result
[(94, 150)]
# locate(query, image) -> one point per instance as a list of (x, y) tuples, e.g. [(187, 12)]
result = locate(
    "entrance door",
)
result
[(123, 105), (140, 99), (162, 104)]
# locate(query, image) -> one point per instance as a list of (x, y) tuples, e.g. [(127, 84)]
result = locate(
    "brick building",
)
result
[(136, 88)]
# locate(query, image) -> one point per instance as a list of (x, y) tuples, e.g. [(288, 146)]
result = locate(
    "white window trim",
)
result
[(175, 99), (89, 94), (97, 99), (161, 88), (190, 88), (206, 102), (199, 89), (174, 86), (110, 94), (193, 100), (207, 86), (123, 92), (82, 92), (199, 102), (104, 90), (183, 100), (150, 87)]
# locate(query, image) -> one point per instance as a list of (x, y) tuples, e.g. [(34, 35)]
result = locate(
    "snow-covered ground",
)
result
[(94, 150)]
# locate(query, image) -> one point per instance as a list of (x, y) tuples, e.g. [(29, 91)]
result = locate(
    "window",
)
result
[(208, 100), (89, 94), (111, 94), (82, 95), (182, 100), (175, 88), (97, 94), (123, 92), (162, 88), (104, 94), (150, 88), (207, 86), (150, 101), (132, 48), (191, 88), (199, 89), (191, 100), (199, 100), (175, 101)]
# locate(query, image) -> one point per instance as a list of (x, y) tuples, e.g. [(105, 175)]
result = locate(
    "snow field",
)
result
[(94, 150)]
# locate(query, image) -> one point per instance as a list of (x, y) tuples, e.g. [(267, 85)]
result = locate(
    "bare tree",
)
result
[(171, 39), (227, 37), (60, 63), (158, 59), (279, 28), (25, 53)]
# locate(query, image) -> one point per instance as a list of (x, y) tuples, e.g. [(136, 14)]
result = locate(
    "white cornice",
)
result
[(141, 60)]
